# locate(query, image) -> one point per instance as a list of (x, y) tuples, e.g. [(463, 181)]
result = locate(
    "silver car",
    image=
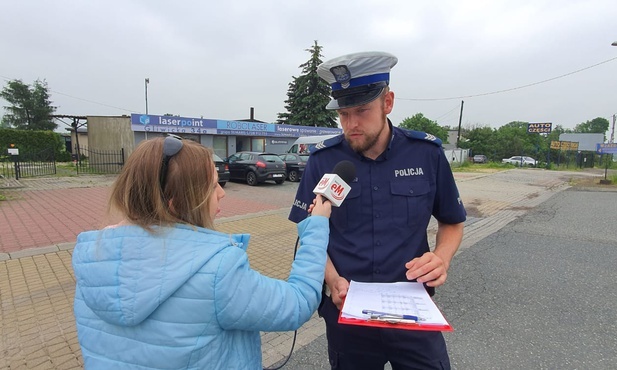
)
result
[(518, 160)]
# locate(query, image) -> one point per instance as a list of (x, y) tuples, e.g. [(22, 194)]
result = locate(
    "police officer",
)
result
[(379, 233)]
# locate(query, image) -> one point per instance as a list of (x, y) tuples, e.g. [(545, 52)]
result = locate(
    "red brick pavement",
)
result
[(46, 217), (40, 218)]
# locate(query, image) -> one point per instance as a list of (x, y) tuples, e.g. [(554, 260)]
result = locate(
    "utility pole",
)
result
[(147, 82), (613, 129), (460, 119)]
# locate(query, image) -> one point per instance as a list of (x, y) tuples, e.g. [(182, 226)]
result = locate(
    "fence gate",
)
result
[(26, 164), (98, 161)]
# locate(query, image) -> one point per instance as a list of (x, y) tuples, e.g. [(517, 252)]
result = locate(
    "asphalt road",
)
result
[(540, 293)]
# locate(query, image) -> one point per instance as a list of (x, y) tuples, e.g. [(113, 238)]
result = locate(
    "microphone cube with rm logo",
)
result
[(333, 188)]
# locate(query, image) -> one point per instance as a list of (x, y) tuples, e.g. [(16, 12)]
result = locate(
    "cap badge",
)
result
[(342, 75)]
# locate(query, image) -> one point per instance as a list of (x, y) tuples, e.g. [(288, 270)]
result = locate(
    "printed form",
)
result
[(403, 298)]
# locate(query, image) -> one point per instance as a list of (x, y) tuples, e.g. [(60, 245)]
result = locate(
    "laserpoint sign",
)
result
[(173, 124)]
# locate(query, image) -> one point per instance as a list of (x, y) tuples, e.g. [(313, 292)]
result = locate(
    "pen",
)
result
[(389, 315), (392, 320)]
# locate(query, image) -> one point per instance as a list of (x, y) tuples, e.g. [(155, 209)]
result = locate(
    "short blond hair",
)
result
[(190, 182)]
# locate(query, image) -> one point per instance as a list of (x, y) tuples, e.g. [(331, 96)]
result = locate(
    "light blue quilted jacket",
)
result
[(186, 298)]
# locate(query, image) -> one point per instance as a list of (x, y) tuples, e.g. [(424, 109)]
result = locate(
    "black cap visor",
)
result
[(356, 96)]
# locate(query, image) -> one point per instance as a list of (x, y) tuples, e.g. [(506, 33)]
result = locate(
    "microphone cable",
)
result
[(293, 343)]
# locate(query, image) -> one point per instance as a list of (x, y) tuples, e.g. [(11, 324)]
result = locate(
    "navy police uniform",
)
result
[(381, 225)]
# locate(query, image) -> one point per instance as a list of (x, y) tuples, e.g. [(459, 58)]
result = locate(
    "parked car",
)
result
[(256, 167), (295, 164), (304, 144), (518, 160), (222, 168), (479, 158)]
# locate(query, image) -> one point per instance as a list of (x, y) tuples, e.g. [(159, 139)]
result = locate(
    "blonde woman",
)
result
[(163, 290)]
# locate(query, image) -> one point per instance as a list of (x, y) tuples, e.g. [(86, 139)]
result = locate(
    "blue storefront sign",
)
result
[(172, 124), (606, 148)]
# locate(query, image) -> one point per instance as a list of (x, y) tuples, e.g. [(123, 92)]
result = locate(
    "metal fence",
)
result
[(26, 164), (95, 161), (43, 163)]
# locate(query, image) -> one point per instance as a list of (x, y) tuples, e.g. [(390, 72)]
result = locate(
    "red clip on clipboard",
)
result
[(371, 296), (385, 324)]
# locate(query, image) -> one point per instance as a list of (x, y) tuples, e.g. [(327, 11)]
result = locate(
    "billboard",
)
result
[(564, 145), (539, 128), (585, 141)]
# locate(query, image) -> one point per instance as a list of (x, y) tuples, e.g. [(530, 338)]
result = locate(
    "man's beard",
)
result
[(368, 142), (364, 145)]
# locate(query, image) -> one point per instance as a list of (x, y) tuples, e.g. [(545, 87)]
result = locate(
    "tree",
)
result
[(4, 123), (513, 139), (308, 95), (30, 107), (480, 140), (597, 125), (420, 123)]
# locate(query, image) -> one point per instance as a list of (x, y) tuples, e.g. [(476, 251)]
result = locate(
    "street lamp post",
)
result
[(606, 180), (613, 129), (147, 82)]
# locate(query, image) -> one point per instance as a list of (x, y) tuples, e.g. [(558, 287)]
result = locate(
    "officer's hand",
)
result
[(429, 269), (338, 291), (320, 207)]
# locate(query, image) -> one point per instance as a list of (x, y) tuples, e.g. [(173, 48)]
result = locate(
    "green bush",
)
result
[(64, 156), (32, 141)]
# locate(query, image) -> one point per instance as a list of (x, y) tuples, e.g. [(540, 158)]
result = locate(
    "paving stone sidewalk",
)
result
[(37, 328)]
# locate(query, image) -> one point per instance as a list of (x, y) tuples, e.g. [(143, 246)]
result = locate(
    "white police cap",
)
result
[(358, 78)]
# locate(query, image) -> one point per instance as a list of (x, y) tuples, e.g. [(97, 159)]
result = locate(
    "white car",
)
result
[(518, 160)]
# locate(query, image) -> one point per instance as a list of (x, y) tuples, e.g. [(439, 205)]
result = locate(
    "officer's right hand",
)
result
[(320, 207), (338, 291)]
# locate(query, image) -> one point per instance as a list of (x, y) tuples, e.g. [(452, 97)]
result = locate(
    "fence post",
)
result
[(16, 164), (77, 158)]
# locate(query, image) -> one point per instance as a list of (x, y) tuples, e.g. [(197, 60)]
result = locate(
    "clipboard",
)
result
[(388, 325), (403, 296)]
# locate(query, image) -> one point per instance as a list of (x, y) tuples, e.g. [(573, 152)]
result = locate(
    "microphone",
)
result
[(335, 186)]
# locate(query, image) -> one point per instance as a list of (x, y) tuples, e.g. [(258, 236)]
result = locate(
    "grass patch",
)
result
[(66, 169), (594, 182), (7, 197), (489, 167)]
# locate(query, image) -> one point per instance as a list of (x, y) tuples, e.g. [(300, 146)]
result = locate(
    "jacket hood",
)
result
[(125, 273)]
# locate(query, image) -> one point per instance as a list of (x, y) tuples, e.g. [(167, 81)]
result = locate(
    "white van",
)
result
[(303, 144)]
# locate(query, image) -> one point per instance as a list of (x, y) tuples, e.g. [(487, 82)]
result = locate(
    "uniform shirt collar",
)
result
[(384, 156)]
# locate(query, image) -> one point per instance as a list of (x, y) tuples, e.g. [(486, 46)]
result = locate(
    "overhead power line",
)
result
[(82, 99), (93, 102), (510, 89)]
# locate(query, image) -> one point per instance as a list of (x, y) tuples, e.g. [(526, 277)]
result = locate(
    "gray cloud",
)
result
[(218, 59)]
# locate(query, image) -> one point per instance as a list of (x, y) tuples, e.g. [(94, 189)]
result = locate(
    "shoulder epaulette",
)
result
[(328, 143), (419, 135)]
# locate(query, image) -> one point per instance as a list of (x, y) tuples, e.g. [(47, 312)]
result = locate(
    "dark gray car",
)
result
[(222, 168), (256, 167), (295, 165)]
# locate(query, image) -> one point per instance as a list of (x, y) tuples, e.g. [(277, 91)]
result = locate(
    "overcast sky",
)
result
[(217, 59)]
